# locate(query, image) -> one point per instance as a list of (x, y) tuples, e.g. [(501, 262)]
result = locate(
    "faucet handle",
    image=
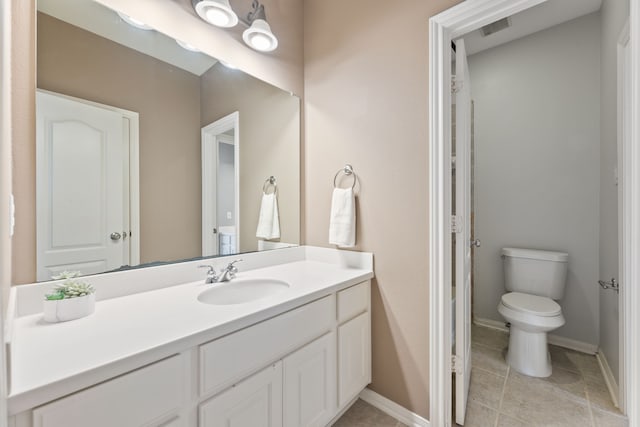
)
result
[(231, 269), (212, 277), (210, 267)]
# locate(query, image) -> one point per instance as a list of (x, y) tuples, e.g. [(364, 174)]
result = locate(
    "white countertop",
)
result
[(51, 360)]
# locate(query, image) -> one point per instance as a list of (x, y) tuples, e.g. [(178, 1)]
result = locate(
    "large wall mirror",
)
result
[(149, 151)]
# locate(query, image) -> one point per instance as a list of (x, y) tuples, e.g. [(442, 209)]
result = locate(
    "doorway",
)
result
[(220, 186), (448, 26)]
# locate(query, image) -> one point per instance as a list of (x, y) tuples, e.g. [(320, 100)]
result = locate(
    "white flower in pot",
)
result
[(69, 300)]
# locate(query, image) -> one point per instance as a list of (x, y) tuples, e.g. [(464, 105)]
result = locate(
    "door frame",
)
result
[(453, 23), (131, 206), (209, 135)]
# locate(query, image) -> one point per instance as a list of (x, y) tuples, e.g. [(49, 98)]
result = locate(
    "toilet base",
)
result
[(528, 353)]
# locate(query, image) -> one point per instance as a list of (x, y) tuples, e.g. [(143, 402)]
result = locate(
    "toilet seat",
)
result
[(531, 304)]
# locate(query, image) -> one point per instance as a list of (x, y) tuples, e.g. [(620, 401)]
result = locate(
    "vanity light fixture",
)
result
[(134, 22), (216, 12), (228, 65), (257, 36), (187, 46)]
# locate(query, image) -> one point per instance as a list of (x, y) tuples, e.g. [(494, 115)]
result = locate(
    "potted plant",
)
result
[(72, 299)]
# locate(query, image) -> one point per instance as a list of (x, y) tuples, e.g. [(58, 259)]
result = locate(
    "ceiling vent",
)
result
[(492, 28)]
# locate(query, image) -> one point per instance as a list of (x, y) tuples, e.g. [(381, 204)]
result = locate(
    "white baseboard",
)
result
[(393, 409), (569, 343), (609, 379)]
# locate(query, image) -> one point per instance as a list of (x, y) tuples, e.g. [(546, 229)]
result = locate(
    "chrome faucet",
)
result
[(226, 274), (212, 277), (229, 272)]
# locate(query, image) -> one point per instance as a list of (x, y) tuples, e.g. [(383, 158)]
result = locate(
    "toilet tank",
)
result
[(535, 272)]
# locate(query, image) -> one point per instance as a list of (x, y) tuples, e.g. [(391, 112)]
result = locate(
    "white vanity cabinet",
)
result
[(254, 402), (354, 341), (149, 396), (310, 380), (299, 368)]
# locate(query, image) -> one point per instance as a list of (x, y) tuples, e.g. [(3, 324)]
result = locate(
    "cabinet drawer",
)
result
[(353, 301), (235, 356), (132, 400)]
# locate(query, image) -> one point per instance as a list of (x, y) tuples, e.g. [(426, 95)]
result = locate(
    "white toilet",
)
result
[(533, 279)]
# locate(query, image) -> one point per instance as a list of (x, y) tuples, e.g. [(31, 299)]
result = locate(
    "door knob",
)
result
[(115, 236), (475, 243)]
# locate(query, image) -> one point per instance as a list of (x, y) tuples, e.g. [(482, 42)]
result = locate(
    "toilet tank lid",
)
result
[(536, 254)]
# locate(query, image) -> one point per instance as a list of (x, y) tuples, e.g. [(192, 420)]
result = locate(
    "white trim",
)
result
[(609, 379), (391, 408), (452, 23), (209, 151), (571, 344), (630, 292), (5, 194), (623, 163), (564, 342), (133, 177)]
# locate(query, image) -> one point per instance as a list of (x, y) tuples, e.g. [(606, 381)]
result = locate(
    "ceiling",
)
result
[(104, 22), (543, 16)]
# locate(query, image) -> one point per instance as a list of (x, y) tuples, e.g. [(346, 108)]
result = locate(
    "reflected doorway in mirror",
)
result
[(220, 186), (86, 193)]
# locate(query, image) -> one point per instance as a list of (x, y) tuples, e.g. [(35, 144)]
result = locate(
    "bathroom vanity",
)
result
[(153, 354)]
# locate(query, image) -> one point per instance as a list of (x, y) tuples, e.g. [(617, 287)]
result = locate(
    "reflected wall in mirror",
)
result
[(128, 170)]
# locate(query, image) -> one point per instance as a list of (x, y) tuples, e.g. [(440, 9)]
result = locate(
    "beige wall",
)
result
[(267, 147), (366, 80), (282, 68), (23, 135)]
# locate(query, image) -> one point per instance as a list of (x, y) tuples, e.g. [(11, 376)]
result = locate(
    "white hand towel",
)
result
[(268, 221), (342, 224)]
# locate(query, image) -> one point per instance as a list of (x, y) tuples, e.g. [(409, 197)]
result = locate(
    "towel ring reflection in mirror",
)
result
[(271, 181), (348, 171)]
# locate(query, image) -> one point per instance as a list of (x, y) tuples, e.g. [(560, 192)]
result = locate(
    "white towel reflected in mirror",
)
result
[(268, 220)]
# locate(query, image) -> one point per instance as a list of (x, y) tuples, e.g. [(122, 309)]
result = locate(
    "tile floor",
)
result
[(361, 414), (574, 395)]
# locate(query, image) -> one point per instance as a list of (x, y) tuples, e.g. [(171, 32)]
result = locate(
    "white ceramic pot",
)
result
[(69, 309)]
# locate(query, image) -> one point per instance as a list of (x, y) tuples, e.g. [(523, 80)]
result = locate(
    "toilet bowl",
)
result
[(531, 318), (533, 279)]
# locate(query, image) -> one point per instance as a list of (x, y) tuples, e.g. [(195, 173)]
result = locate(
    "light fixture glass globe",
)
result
[(218, 17), (187, 46), (134, 22), (217, 12), (260, 41), (260, 37)]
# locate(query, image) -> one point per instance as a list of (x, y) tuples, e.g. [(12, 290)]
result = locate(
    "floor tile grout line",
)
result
[(589, 406), (504, 389), (490, 372)]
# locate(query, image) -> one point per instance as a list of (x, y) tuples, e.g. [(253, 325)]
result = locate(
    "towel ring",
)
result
[(347, 170), (270, 181)]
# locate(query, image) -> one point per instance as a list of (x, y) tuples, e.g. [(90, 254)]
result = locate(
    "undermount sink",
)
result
[(242, 291)]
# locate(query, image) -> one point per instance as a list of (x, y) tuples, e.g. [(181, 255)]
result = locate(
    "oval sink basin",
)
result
[(242, 291)]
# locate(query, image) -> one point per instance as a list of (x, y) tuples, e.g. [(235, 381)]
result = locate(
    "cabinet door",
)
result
[(254, 402), (354, 358), (140, 398), (310, 384)]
